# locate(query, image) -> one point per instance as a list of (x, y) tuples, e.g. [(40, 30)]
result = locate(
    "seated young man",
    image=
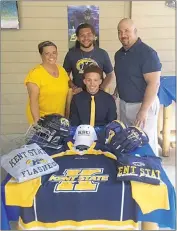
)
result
[(92, 105)]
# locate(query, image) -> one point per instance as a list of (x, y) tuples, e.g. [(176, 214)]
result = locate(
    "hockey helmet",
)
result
[(50, 131)]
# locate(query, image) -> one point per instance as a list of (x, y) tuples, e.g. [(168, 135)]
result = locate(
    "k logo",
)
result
[(35, 162), (79, 180), (64, 122)]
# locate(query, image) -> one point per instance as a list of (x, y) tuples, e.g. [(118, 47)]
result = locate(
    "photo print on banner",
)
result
[(82, 14)]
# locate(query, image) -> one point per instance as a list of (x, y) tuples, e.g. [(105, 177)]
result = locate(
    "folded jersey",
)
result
[(145, 169)]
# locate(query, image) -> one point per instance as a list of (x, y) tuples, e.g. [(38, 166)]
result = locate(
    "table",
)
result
[(164, 218), (4, 219), (167, 94)]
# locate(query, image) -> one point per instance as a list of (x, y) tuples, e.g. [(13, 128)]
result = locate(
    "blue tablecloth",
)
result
[(4, 219), (167, 90), (164, 218)]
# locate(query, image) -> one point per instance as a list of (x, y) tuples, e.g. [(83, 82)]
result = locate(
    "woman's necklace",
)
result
[(54, 73)]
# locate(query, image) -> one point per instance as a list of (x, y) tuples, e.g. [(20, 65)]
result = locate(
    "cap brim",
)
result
[(83, 141)]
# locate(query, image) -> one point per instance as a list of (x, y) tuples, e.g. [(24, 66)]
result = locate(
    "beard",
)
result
[(125, 42), (88, 46)]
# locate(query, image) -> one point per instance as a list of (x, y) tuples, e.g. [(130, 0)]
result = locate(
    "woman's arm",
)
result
[(33, 92)]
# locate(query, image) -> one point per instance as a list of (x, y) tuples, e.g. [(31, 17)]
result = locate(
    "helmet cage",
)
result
[(44, 137)]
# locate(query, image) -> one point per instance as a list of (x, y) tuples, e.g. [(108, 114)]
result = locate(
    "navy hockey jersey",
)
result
[(83, 194)]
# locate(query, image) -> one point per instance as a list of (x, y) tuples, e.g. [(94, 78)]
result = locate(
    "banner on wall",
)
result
[(171, 3), (9, 15), (82, 14)]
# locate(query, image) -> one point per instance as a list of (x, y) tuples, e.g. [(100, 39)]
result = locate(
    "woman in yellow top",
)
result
[(47, 85)]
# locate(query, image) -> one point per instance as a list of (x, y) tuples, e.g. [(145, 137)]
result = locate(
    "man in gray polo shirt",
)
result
[(137, 69)]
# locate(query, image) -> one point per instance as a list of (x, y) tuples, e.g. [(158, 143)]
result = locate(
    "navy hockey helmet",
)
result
[(50, 131)]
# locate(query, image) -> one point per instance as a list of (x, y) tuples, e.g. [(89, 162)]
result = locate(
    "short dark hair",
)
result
[(83, 26), (93, 68), (45, 44)]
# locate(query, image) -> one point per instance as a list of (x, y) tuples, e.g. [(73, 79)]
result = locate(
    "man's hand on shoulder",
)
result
[(115, 95), (76, 90), (104, 88)]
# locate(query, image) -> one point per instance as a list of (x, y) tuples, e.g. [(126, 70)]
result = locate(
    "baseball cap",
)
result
[(84, 135)]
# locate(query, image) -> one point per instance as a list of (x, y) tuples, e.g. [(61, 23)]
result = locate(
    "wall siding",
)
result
[(156, 27), (47, 20), (39, 21)]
